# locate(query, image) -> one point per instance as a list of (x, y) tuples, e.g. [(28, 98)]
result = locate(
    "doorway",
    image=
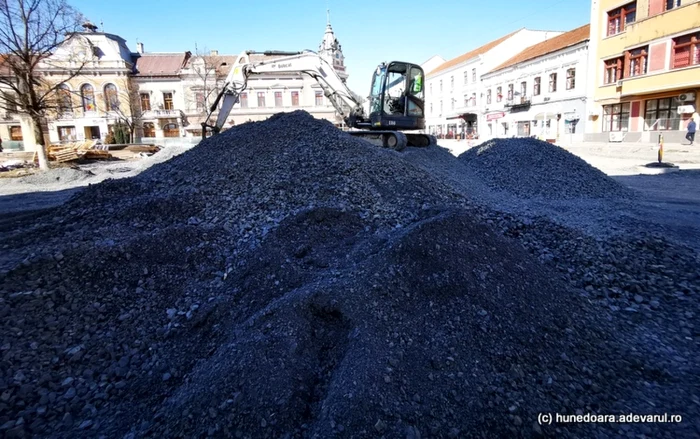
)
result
[(92, 132)]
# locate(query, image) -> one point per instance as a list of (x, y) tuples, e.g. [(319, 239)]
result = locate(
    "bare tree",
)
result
[(205, 69), (128, 108), (30, 32)]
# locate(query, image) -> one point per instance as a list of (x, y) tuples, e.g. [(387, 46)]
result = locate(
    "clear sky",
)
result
[(369, 31)]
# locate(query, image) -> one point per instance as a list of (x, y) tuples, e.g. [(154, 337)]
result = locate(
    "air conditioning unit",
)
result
[(619, 83), (546, 99), (616, 136), (685, 97)]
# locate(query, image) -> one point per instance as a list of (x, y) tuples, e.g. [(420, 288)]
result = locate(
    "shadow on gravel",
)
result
[(32, 201)]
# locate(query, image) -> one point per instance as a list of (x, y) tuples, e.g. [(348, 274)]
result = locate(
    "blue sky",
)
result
[(369, 31)]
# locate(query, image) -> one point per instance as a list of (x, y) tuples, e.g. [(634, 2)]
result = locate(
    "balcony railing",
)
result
[(518, 102), (156, 114)]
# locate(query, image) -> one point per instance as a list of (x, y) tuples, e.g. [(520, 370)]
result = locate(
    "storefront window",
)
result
[(616, 117), (661, 114)]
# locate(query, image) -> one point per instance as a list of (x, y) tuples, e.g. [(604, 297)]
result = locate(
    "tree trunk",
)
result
[(40, 148)]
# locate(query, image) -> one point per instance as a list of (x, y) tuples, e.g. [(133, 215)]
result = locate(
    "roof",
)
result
[(559, 42), (160, 64), (474, 53)]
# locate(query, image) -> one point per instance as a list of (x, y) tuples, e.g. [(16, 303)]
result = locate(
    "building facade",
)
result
[(645, 62), (161, 96), (89, 104), (541, 91), (454, 92)]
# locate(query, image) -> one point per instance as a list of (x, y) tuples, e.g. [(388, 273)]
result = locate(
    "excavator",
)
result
[(397, 96)]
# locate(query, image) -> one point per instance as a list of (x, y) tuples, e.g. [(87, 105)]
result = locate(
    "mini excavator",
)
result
[(397, 96)]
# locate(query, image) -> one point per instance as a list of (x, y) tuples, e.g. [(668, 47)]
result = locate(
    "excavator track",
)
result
[(395, 140)]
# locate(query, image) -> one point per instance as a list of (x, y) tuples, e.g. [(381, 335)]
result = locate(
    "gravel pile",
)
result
[(55, 175), (284, 279), (530, 168)]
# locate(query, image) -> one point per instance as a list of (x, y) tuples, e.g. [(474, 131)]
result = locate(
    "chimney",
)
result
[(89, 27), (139, 47), (213, 53)]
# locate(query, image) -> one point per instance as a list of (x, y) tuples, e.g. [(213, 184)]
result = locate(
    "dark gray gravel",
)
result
[(284, 279), (530, 168)]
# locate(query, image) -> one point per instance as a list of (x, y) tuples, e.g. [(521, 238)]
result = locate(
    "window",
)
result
[(570, 79), (171, 130), (452, 82), (536, 86), (662, 114), (431, 109), (552, 82), (67, 134), (319, 99), (295, 99), (244, 100), (488, 96), (473, 99), (199, 100), (87, 94), (16, 133), (466, 78), (613, 70), (510, 92), (686, 51), (619, 18), (638, 61), (278, 99), (441, 85), (466, 101), (261, 99), (452, 105), (149, 129), (616, 117), (440, 107), (670, 4), (473, 75), (65, 102), (111, 98), (168, 101), (499, 94), (145, 101), (523, 89), (431, 88)]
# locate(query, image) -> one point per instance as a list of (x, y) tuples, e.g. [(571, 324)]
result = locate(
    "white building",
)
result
[(539, 92), (433, 63), (455, 95), (161, 96)]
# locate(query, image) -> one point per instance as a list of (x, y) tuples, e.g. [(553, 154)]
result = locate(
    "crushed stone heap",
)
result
[(284, 279), (528, 168)]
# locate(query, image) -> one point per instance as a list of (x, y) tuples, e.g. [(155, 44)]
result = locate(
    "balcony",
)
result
[(518, 103), (161, 114)]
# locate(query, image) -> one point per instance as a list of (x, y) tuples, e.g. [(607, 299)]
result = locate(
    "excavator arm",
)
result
[(380, 127), (307, 62)]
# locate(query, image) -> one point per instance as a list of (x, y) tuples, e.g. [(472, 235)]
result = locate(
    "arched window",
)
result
[(87, 93), (149, 129), (111, 97), (171, 130), (65, 102)]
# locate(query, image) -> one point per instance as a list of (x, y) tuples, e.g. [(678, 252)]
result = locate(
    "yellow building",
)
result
[(645, 58)]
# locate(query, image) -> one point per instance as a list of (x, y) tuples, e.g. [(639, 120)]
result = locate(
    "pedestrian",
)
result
[(691, 131)]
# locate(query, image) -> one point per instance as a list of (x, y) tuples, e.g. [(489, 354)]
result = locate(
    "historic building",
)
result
[(455, 96), (88, 103), (160, 95), (541, 91), (645, 69)]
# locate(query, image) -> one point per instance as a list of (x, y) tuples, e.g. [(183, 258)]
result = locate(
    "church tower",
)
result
[(331, 50)]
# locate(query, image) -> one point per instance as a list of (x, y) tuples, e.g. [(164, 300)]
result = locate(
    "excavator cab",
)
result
[(397, 97)]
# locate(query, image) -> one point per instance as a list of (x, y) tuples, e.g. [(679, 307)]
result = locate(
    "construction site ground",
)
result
[(284, 279)]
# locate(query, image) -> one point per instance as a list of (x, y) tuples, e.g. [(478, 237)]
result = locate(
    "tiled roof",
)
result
[(476, 52), (559, 42), (160, 64)]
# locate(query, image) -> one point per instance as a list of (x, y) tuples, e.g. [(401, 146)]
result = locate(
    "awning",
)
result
[(545, 116), (468, 117)]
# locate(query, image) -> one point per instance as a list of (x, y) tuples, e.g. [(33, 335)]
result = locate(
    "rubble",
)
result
[(530, 168), (284, 279)]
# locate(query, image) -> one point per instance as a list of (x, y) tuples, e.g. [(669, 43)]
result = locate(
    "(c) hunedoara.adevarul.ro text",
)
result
[(628, 418)]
